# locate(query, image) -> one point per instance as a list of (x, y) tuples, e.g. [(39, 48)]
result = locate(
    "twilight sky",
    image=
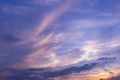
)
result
[(65, 39)]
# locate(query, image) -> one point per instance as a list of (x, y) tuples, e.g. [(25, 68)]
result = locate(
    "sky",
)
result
[(59, 39)]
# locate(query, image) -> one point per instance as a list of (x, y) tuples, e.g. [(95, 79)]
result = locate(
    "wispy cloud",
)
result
[(82, 42), (15, 9)]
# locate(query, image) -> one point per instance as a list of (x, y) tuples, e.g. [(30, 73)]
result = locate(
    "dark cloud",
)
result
[(10, 52), (48, 73), (106, 59), (10, 38), (115, 78), (44, 73), (103, 79), (71, 70)]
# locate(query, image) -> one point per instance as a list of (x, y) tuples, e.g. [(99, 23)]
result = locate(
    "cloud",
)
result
[(49, 73), (41, 41), (51, 17), (10, 38), (10, 49), (85, 50), (44, 74), (47, 3), (67, 42), (15, 9), (94, 23), (115, 78), (4, 74)]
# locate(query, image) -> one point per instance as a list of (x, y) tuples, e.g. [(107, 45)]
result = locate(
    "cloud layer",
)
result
[(60, 38)]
